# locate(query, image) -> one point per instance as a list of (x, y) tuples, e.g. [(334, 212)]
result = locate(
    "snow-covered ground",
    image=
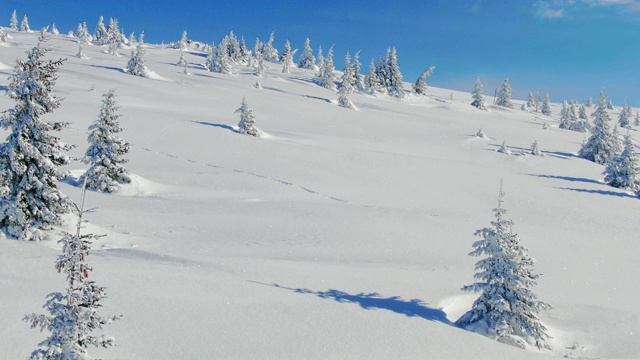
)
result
[(341, 234)]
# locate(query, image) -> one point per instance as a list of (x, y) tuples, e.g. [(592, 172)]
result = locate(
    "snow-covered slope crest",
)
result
[(341, 234)]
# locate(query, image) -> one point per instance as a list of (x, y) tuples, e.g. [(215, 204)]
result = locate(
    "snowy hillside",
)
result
[(339, 234)]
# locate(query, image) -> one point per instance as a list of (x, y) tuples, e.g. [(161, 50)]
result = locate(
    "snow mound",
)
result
[(4, 66), (153, 75), (138, 186)]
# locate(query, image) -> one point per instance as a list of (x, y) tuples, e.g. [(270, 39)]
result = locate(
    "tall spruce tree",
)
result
[(24, 25), (100, 36), (478, 96), (346, 85), (105, 155), (392, 76), (372, 82), (358, 79), (623, 171), (30, 158), (506, 308), (546, 106), (307, 60), (270, 52), (326, 76), (624, 120), (504, 94), (600, 147), (247, 120), (531, 102), (74, 314), (13, 23)]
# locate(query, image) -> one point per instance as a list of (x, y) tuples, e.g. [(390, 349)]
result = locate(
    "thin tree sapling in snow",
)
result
[(105, 155), (506, 310), (504, 149), (247, 120), (31, 157), (73, 314)]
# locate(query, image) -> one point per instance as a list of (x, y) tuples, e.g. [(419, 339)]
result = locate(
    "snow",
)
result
[(342, 234)]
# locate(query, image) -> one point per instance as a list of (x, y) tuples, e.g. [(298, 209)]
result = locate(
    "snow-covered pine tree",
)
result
[(136, 65), (481, 134), (617, 142), (504, 149), (182, 62), (233, 48), (258, 63), (624, 120), (504, 95), (600, 147), (373, 83), (286, 52), (589, 102), (132, 38), (30, 158), (106, 151), (244, 52), (393, 80), (478, 96), (74, 314), (582, 113), (54, 29), (564, 116), (114, 36), (247, 120), (307, 60), (4, 37), (506, 310), (24, 25), (13, 23), (610, 105), (80, 54), (546, 106), (346, 85), (575, 123), (82, 33), (534, 149), (420, 86), (358, 79), (531, 103), (326, 77), (636, 121), (100, 36), (544, 126), (270, 52), (538, 101), (319, 58), (623, 170), (183, 43)]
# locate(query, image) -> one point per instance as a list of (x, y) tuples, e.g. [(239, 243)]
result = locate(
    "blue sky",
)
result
[(571, 48)]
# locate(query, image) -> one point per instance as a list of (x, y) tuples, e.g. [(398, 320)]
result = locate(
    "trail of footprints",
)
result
[(283, 182)]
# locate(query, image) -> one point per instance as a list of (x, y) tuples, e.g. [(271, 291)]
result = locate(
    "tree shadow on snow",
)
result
[(317, 98), (4, 88), (568, 178), (602, 192), (109, 68), (222, 126), (374, 301)]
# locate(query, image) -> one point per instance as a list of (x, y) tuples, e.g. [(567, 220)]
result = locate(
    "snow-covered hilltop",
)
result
[(339, 231)]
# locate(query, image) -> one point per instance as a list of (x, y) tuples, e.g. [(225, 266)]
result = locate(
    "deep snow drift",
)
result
[(338, 234)]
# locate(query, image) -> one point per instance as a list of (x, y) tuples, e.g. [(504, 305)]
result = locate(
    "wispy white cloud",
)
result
[(549, 10), (553, 9)]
